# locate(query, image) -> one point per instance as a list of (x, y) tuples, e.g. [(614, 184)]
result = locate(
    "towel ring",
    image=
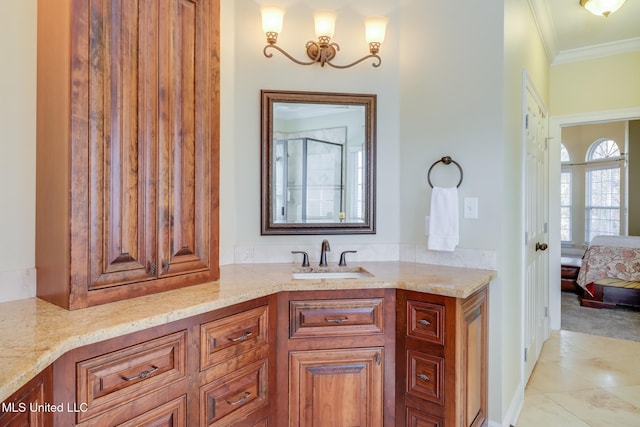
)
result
[(447, 161)]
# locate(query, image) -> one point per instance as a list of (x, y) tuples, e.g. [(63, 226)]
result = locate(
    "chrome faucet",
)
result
[(324, 248)]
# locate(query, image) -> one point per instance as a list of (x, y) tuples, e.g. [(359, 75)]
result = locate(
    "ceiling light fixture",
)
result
[(323, 51), (602, 7)]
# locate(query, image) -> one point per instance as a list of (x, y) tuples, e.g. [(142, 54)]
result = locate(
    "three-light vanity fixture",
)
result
[(323, 51)]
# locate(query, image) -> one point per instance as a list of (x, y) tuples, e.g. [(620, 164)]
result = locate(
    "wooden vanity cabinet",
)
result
[(442, 360), (335, 358), (127, 148), (368, 357), (25, 407), (212, 369)]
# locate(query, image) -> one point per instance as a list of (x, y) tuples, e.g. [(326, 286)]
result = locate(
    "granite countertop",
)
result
[(34, 333)]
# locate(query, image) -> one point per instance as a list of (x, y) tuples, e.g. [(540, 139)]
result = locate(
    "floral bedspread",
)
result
[(618, 262)]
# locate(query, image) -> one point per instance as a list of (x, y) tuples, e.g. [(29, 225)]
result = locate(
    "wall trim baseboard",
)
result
[(515, 407), (17, 284)]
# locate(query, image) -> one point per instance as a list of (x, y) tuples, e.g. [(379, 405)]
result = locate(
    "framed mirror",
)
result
[(318, 163)]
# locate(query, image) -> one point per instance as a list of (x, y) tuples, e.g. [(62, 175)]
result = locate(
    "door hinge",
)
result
[(546, 312), (546, 227), (526, 121), (525, 354)]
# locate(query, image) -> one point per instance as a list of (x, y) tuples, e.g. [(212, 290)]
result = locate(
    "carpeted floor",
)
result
[(619, 322)]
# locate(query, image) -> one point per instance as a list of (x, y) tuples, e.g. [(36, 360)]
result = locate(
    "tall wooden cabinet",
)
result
[(127, 148)]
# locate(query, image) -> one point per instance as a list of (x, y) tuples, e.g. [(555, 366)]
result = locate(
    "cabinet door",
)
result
[(122, 147), (25, 408), (473, 342), (185, 135), (336, 388), (150, 139)]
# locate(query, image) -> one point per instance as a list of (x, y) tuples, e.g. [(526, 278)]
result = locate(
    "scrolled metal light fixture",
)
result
[(324, 50)]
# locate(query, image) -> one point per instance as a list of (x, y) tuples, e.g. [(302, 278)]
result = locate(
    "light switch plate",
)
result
[(471, 207)]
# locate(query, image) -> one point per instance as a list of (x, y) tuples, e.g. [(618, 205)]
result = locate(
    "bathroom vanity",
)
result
[(406, 346)]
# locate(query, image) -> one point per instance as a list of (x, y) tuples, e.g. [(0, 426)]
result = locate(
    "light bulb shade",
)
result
[(375, 28), (272, 19), (325, 21), (602, 7)]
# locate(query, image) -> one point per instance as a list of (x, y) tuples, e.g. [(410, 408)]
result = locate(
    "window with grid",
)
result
[(565, 206), (602, 204), (565, 195)]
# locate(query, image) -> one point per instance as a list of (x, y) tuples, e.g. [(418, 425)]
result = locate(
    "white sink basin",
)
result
[(310, 273)]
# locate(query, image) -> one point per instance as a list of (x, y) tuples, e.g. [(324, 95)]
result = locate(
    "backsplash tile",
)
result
[(465, 258)]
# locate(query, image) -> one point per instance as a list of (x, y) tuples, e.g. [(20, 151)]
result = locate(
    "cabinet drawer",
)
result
[(116, 378), (233, 397), (425, 321), (171, 414), (425, 376), (233, 335), (340, 317), (417, 418)]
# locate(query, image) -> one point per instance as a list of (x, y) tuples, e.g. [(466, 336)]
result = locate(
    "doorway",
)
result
[(556, 125)]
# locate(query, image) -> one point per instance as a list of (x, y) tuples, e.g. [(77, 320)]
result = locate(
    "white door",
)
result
[(536, 215)]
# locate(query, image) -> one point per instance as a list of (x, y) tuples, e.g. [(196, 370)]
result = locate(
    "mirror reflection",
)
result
[(317, 163)]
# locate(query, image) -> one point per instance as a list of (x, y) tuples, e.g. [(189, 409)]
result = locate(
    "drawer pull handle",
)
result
[(241, 400), (241, 337), (142, 375), (336, 319), (424, 322), (423, 377)]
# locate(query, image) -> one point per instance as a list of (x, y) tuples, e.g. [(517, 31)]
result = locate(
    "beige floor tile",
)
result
[(598, 408), (549, 377), (539, 411), (584, 380), (630, 394)]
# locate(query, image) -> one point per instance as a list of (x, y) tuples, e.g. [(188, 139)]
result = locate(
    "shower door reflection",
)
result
[(309, 177)]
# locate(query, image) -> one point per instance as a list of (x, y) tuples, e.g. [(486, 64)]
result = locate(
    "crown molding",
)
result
[(597, 51), (544, 24), (546, 30)]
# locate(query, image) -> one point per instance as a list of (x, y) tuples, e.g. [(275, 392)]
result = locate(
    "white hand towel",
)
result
[(443, 224)]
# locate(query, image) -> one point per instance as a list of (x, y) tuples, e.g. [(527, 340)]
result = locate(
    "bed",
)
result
[(610, 272)]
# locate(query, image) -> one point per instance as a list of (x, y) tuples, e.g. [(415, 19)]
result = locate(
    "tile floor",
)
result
[(584, 380)]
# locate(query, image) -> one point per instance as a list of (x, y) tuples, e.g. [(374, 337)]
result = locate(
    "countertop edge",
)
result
[(70, 342)]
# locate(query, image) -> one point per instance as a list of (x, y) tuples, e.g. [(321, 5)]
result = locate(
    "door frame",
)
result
[(556, 123)]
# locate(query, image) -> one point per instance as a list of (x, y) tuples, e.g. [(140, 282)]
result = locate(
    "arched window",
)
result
[(603, 189), (565, 195), (603, 149)]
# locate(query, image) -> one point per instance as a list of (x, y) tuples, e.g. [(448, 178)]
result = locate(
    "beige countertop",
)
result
[(35, 333)]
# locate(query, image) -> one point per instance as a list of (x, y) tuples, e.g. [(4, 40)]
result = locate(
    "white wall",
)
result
[(247, 71), (17, 149)]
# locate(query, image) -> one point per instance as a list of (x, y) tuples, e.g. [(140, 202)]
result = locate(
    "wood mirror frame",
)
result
[(365, 222)]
